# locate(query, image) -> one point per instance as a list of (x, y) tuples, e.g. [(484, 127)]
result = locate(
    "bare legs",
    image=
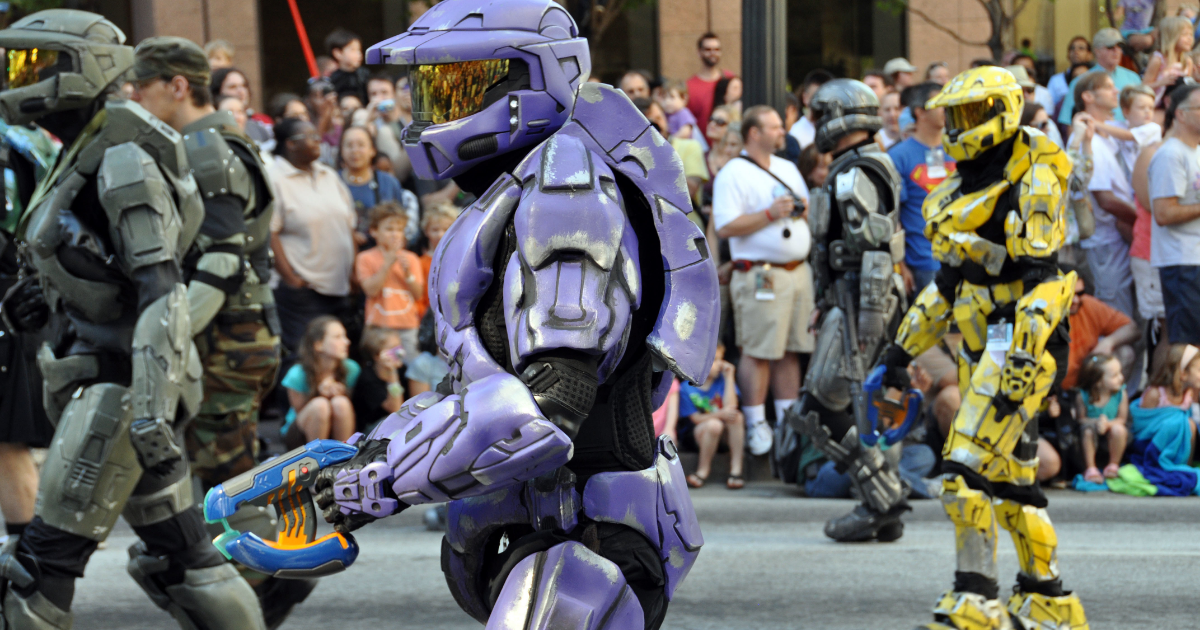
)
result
[(708, 434), (754, 375), (327, 418)]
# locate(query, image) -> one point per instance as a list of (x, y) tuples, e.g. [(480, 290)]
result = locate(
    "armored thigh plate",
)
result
[(826, 380), (566, 586), (91, 468), (655, 503)]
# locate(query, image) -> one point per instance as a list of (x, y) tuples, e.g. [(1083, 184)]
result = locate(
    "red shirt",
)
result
[(1094, 320), (700, 99)]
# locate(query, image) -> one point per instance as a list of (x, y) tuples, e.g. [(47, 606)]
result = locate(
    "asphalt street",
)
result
[(765, 565)]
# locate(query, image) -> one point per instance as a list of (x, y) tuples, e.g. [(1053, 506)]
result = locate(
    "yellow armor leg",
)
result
[(1034, 538), (974, 526)]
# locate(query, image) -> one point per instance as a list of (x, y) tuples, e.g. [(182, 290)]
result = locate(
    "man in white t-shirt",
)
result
[(1175, 233), (760, 203), (1111, 194)]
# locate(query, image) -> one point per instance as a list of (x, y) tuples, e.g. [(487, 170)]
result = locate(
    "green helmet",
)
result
[(58, 60)]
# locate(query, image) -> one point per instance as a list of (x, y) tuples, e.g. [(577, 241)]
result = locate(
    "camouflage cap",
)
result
[(171, 56)]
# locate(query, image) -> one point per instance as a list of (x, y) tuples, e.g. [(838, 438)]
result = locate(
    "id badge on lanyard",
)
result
[(764, 285), (999, 340), (935, 163)]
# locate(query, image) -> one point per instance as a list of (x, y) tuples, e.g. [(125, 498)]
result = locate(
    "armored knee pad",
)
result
[(32, 613), (566, 586), (212, 598), (92, 467)]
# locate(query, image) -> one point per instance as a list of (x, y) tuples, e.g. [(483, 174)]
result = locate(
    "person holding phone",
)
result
[(378, 392)]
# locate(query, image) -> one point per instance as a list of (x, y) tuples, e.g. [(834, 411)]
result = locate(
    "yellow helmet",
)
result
[(983, 109)]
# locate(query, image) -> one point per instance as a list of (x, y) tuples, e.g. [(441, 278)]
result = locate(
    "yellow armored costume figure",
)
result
[(996, 226)]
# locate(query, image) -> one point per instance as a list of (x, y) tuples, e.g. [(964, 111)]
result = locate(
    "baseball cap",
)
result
[(1022, 76), (171, 56), (899, 64), (1107, 38)]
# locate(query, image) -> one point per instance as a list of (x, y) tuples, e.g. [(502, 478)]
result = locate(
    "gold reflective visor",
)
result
[(29, 66), (965, 117), (446, 92)]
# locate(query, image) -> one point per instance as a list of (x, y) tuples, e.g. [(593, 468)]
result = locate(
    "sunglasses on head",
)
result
[(720, 122)]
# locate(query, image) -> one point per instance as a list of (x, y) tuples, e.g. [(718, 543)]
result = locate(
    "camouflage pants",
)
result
[(241, 358)]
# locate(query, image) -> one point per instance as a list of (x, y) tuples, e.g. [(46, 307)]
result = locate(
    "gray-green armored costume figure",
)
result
[(106, 232), (232, 310)]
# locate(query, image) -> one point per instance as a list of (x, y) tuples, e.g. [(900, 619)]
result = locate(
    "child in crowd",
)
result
[(319, 385), (680, 121), (391, 276), (712, 414), (350, 77), (434, 223), (219, 53), (378, 392), (1138, 130), (1171, 60), (1176, 381), (1102, 409)]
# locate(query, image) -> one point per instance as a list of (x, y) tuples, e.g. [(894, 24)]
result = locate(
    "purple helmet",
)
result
[(486, 78)]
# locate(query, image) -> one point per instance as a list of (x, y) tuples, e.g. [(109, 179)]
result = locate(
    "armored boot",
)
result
[(27, 609), (968, 611), (211, 598), (1037, 605)]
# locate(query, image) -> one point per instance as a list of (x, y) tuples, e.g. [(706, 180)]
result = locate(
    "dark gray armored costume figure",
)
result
[(856, 242), (232, 310), (106, 232)]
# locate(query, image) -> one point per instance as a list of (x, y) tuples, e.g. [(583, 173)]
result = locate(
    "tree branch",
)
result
[(928, 20), (607, 16), (1019, 8)]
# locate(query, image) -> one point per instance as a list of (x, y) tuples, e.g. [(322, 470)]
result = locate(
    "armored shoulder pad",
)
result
[(218, 171), (871, 159), (866, 221), (1033, 147), (138, 199), (129, 122)]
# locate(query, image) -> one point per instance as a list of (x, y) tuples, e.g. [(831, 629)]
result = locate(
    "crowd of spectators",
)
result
[(1123, 110), (353, 231)]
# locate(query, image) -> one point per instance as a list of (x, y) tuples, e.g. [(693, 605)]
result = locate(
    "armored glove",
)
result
[(359, 490), (24, 306)]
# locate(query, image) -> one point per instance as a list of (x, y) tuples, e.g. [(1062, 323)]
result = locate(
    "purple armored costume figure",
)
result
[(562, 297)]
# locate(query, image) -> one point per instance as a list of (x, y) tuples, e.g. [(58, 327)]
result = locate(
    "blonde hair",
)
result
[(1188, 6), (732, 113), (443, 210), (1170, 29), (1130, 91), (219, 46)]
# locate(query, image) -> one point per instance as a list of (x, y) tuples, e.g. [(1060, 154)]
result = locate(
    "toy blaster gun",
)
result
[(284, 483), (890, 420)]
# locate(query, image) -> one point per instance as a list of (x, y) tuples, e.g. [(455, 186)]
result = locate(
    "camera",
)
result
[(386, 106), (798, 207)]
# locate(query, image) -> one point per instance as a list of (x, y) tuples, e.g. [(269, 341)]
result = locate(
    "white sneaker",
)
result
[(758, 438)]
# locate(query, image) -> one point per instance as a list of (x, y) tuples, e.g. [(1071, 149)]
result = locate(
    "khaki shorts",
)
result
[(768, 329)]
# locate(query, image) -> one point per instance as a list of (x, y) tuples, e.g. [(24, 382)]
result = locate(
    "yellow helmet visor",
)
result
[(967, 116), (446, 92), (28, 66)]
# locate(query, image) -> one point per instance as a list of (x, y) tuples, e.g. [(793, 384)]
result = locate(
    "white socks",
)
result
[(782, 406), (754, 414)]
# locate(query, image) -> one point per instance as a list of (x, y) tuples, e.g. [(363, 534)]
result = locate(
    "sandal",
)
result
[(696, 481), (1112, 471), (1092, 475), (735, 482)]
